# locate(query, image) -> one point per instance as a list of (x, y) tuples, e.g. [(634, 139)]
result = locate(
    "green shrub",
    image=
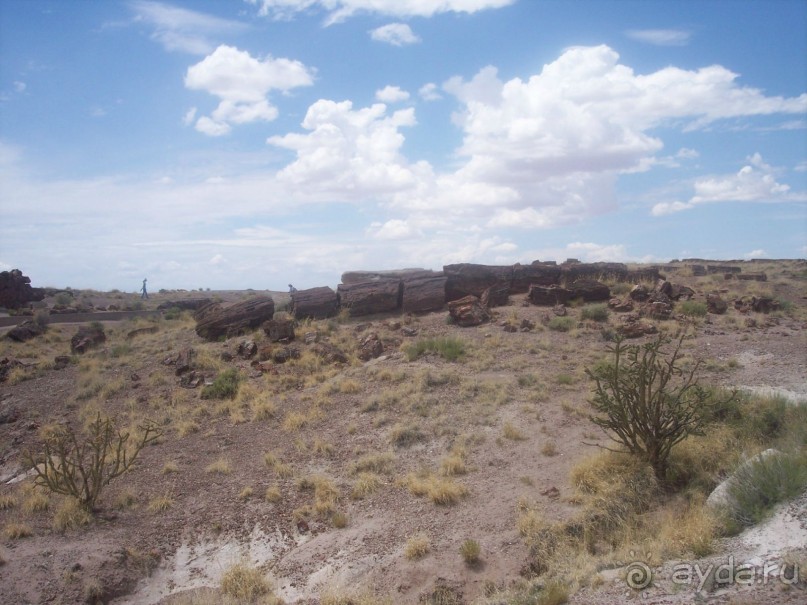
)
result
[(172, 313), (595, 312), (449, 348), (561, 324), (225, 386), (758, 486), (470, 551), (693, 308)]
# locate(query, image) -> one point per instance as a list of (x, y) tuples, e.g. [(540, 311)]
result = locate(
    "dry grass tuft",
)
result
[(417, 547), (440, 490), (512, 433), (243, 581), (15, 531), (160, 504), (366, 484), (70, 515), (222, 466)]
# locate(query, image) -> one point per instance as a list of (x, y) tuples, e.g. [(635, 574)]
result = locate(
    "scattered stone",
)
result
[(552, 493), (183, 362), (407, 331), (311, 337), (329, 353), (633, 327), (620, 306), (87, 338), (510, 328), (60, 362), (639, 293), (247, 349), (283, 354), (764, 304), (677, 292), (235, 320), (559, 311), (192, 380), (658, 310), (527, 325), (468, 311), (6, 365), (370, 347)]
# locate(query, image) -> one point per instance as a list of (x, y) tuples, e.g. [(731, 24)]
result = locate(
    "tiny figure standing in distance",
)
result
[(144, 294), (292, 289)]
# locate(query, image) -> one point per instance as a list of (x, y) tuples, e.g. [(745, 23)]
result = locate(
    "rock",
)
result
[(9, 414), (559, 311), (284, 354), (183, 362), (548, 295), (752, 276), (370, 297), (314, 303), (620, 306), (329, 353), (468, 311), (226, 356), (677, 292), (407, 331), (424, 294), (589, 290), (697, 270), (311, 337), (370, 347), (496, 295), (87, 337), (6, 365), (26, 331), (764, 304), (192, 379), (279, 330), (470, 279), (235, 320), (60, 362), (206, 311), (247, 349), (16, 290), (658, 310), (185, 304), (508, 327), (527, 325), (639, 293), (633, 327), (715, 304), (536, 274)]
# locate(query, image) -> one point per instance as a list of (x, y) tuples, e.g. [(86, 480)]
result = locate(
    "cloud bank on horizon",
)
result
[(292, 140)]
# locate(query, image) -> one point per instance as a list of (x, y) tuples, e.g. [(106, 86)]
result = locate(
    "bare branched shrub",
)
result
[(82, 465), (645, 401)]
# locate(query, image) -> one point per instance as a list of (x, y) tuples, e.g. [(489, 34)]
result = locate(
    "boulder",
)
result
[(763, 304), (469, 279), (677, 292), (497, 295), (247, 349), (370, 347), (589, 290), (633, 327), (548, 295), (424, 294), (370, 297), (183, 362), (639, 293), (26, 331), (192, 379), (658, 310), (283, 354), (468, 311), (16, 290), (538, 274), (235, 320), (314, 303), (279, 330), (329, 353), (715, 304), (87, 338)]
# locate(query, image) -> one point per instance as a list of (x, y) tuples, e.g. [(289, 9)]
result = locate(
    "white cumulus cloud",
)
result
[(242, 82), (339, 10), (660, 37), (396, 34), (430, 92), (391, 94)]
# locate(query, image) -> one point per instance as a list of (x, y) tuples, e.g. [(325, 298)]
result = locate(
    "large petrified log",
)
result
[(548, 296), (316, 303), (424, 294), (589, 290), (594, 271), (236, 319), (538, 273), (366, 298), (466, 278), (357, 277)]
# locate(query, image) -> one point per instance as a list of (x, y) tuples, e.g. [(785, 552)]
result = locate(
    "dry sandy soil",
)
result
[(514, 407)]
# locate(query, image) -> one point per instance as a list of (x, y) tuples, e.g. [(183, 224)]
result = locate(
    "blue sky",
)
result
[(253, 143)]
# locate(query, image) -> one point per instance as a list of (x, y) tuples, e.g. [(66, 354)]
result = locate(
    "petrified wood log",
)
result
[(424, 294), (366, 298), (316, 303), (466, 278), (235, 320)]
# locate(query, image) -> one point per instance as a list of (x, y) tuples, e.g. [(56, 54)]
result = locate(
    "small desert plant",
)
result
[(225, 386), (597, 312), (449, 348), (646, 402), (222, 466), (81, 467), (243, 581), (70, 515), (512, 433), (417, 547), (160, 504), (693, 308), (406, 435), (366, 484), (758, 486), (561, 324), (470, 551), (15, 531)]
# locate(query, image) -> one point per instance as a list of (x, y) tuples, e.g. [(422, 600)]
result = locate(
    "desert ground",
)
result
[(419, 476)]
